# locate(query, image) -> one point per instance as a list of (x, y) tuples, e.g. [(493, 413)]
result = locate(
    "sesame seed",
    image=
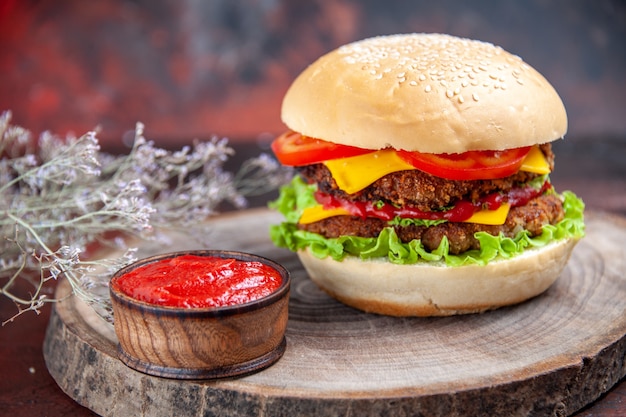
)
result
[(457, 91), (475, 96), (427, 88), (422, 77), (461, 99), (520, 81), (413, 83), (449, 93)]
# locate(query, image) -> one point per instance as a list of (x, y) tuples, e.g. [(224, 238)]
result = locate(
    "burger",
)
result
[(422, 182)]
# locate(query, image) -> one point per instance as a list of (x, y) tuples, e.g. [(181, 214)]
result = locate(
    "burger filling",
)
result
[(429, 194), (408, 215), (419, 189)]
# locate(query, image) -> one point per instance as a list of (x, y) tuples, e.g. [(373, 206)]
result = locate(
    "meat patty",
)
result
[(545, 209), (420, 189)]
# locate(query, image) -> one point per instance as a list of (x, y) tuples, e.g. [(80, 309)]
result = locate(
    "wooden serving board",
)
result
[(549, 356)]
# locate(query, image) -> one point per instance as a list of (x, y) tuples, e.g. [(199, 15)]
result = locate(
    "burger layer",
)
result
[(532, 217), (420, 189), (544, 218)]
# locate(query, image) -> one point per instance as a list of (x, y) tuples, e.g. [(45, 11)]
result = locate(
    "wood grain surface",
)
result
[(549, 356)]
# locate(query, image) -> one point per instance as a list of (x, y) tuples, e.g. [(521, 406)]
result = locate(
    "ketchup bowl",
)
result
[(200, 314)]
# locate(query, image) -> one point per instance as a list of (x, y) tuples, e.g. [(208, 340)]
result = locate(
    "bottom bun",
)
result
[(379, 286)]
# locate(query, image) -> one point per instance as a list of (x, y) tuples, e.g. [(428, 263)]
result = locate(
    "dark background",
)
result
[(190, 69)]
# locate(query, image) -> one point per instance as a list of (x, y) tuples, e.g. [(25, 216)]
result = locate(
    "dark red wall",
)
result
[(194, 68)]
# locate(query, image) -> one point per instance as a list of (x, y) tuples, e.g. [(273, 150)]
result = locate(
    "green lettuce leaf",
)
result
[(294, 198), (298, 195), (399, 221)]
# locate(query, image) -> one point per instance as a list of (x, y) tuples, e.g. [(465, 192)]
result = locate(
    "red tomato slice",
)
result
[(472, 165), (294, 149)]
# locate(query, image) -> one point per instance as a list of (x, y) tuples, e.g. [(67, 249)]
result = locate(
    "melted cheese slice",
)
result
[(357, 172), (535, 162), (317, 213), (489, 217)]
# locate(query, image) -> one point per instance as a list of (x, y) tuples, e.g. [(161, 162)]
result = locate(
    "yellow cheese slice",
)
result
[(317, 213), (535, 162), (490, 217), (357, 172)]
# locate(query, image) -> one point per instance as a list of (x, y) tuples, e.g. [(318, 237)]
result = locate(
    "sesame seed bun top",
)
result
[(424, 92)]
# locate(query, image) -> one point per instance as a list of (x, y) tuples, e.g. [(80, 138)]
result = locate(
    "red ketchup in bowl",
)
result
[(199, 282)]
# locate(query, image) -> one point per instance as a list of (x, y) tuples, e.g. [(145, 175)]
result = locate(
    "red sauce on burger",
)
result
[(461, 211), (199, 281)]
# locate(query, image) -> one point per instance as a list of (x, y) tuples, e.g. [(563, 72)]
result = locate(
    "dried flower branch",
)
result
[(58, 197)]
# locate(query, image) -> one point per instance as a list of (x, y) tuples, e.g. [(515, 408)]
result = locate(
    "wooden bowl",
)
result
[(201, 343)]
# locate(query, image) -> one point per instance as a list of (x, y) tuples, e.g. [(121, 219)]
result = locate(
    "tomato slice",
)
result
[(472, 165), (294, 149)]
